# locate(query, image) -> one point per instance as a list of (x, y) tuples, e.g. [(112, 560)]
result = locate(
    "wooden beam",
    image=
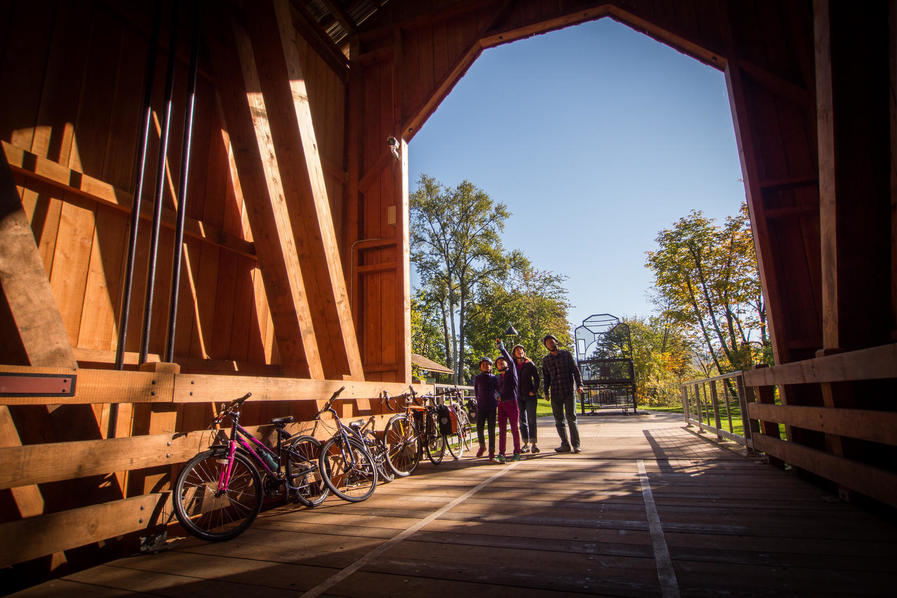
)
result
[(875, 426), (865, 364), (825, 138), (33, 167), (38, 536), (865, 479), (94, 386), (747, 153), (403, 279), (319, 251), (341, 17), (112, 386), (245, 114), (415, 117), (26, 286), (892, 53), (200, 388), (321, 43)]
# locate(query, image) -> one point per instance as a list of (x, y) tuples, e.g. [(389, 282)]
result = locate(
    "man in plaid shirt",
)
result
[(559, 372)]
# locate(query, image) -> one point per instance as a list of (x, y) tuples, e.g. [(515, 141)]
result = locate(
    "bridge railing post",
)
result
[(748, 431), (714, 400)]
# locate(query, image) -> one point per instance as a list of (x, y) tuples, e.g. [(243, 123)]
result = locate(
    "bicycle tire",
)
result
[(455, 441), (214, 517), (402, 441), (351, 482), (435, 442), (465, 429), (304, 472), (378, 452)]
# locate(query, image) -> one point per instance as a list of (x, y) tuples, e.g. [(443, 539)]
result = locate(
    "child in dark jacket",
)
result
[(485, 388), (508, 411)]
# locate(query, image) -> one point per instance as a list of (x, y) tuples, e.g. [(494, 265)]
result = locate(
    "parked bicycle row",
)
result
[(220, 492)]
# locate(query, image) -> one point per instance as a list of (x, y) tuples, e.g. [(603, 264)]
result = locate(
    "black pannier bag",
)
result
[(445, 419)]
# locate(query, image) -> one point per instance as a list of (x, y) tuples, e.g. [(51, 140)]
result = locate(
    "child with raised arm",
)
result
[(508, 411), (485, 387)]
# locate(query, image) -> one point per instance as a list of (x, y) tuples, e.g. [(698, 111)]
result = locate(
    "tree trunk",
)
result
[(694, 303), (445, 332), (706, 294), (454, 365), (459, 369)]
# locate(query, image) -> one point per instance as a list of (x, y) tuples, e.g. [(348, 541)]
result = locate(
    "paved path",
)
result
[(648, 509)]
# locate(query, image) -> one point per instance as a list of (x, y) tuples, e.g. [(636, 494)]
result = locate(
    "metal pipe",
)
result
[(139, 176), (182, 186), (159, 192), (142, 146)]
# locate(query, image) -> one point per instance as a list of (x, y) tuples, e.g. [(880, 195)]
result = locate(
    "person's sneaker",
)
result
[(525, 447), (577, 449), (492, 460), (564, 448), (500, 459), (481, 451), (534, 450), (516, 457)]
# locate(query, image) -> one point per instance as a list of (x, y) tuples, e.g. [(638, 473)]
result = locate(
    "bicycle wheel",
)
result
[(454, 441), (348, 469), (304, 473), (378, 452), (435, 442), (212, 515), (465, 429), (402, 441)]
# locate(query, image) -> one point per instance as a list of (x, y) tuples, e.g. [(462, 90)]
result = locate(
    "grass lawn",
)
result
[(662, 409)]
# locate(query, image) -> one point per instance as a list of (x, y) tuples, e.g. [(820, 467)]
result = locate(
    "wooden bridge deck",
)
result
[(698, 520)]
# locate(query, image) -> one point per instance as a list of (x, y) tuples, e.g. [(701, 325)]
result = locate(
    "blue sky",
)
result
[(596, 137)]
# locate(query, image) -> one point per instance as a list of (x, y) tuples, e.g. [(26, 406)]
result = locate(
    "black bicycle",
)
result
[(346, 465), (219, 492)]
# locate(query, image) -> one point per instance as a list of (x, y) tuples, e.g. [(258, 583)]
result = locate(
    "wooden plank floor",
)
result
[(701, 520)]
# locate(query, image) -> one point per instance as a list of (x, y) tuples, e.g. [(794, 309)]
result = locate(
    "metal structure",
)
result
[(604, 356)]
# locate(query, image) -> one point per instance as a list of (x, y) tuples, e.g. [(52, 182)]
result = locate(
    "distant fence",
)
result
[(849, 446)]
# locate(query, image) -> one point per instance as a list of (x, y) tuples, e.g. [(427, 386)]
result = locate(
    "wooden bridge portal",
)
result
[(292, 202)]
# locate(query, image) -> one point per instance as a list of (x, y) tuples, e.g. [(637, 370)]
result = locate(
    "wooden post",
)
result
[(825, 135), (746, 422), (766, 395), (728, 404), (714, 399), (685, 403)]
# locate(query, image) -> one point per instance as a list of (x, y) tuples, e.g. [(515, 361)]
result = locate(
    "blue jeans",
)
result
[(562, 420)]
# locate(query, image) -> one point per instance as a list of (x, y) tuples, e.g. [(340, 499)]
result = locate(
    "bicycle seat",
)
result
[(282, 421), (357, 425)]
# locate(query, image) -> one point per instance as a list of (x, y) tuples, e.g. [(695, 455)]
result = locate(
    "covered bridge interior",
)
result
[(291, 183)]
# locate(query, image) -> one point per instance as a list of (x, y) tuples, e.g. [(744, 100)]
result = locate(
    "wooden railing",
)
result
[(23, 467), (719, 405), (762, 396)]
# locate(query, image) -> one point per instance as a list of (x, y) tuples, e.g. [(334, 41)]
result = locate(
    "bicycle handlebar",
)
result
[(230, 408)]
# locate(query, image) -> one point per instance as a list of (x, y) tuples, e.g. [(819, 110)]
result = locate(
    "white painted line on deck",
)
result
[(666, 575), (377, 551)]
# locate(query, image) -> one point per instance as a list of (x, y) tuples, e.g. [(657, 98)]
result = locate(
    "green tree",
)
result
[(534, 301), (456, 247), (426, 329), (663, 357), (706, 277)]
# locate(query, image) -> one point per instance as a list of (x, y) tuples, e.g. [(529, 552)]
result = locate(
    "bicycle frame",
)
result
[(238, 437)]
